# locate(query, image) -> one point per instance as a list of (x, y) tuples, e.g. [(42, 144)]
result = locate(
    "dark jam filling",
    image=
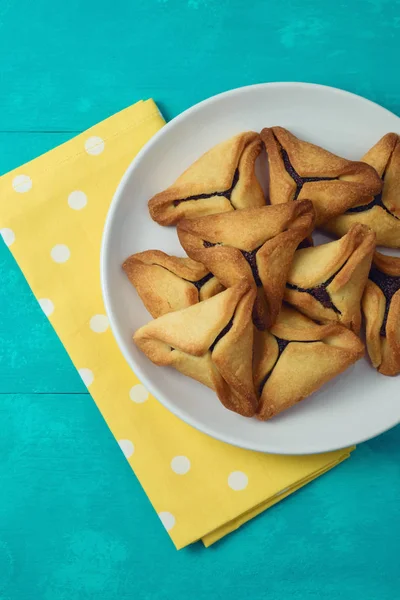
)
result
[(389, 285), (319, 292), (221, 334), (226, 194), (281, 347), (306, 243), (252, 261), (199, 284), (299, 181), (377, 201), (281, 344), (250, 258)]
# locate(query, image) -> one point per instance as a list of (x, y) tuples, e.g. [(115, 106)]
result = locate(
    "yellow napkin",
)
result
[(52, 212)]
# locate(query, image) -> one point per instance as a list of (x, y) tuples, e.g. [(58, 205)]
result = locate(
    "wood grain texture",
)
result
[(18, 147), (74, 522), (69, 66)]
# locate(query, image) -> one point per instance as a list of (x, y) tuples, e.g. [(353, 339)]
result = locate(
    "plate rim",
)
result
[(106, 241)]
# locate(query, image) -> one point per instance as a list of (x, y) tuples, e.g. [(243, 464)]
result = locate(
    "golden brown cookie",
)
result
[(212, 342), (221, 180), (255, 245), (381, 212), (296, 357), (327, 282), (381, 307), (299, 170), (168, 283)]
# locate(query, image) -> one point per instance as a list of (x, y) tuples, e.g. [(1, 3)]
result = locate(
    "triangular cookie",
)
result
[(211, 341), (381, 308), (168, 283), (255, 245), (327, 282), (296, 357), (299, 170), (382, 211), (223, 179)]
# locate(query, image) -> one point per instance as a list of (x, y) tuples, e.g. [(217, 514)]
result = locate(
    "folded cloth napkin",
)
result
[(52, 212)]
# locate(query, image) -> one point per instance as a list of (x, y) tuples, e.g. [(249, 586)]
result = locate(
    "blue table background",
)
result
[(74, 522)]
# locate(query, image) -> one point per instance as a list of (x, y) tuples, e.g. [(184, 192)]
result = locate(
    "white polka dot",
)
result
[(60, 253), (238, 480), (99, 323), (77, 200), (94, 145), (87, 376), (22, 183), (167, 519), (180, 465), (127, 447), (47, 306), (8, 236), (138, 393)]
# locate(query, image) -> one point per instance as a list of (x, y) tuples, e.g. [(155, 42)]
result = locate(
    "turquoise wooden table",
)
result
[(74, 523)]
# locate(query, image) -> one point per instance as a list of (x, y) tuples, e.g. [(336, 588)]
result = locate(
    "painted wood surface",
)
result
[(74, 522)]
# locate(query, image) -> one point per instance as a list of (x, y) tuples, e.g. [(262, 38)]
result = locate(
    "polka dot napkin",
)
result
[(52, 212)]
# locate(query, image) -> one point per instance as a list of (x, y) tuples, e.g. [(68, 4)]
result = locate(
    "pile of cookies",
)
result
[(256, 311)]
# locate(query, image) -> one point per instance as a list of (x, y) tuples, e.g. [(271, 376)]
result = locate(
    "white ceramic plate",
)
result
[(352, 408)]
